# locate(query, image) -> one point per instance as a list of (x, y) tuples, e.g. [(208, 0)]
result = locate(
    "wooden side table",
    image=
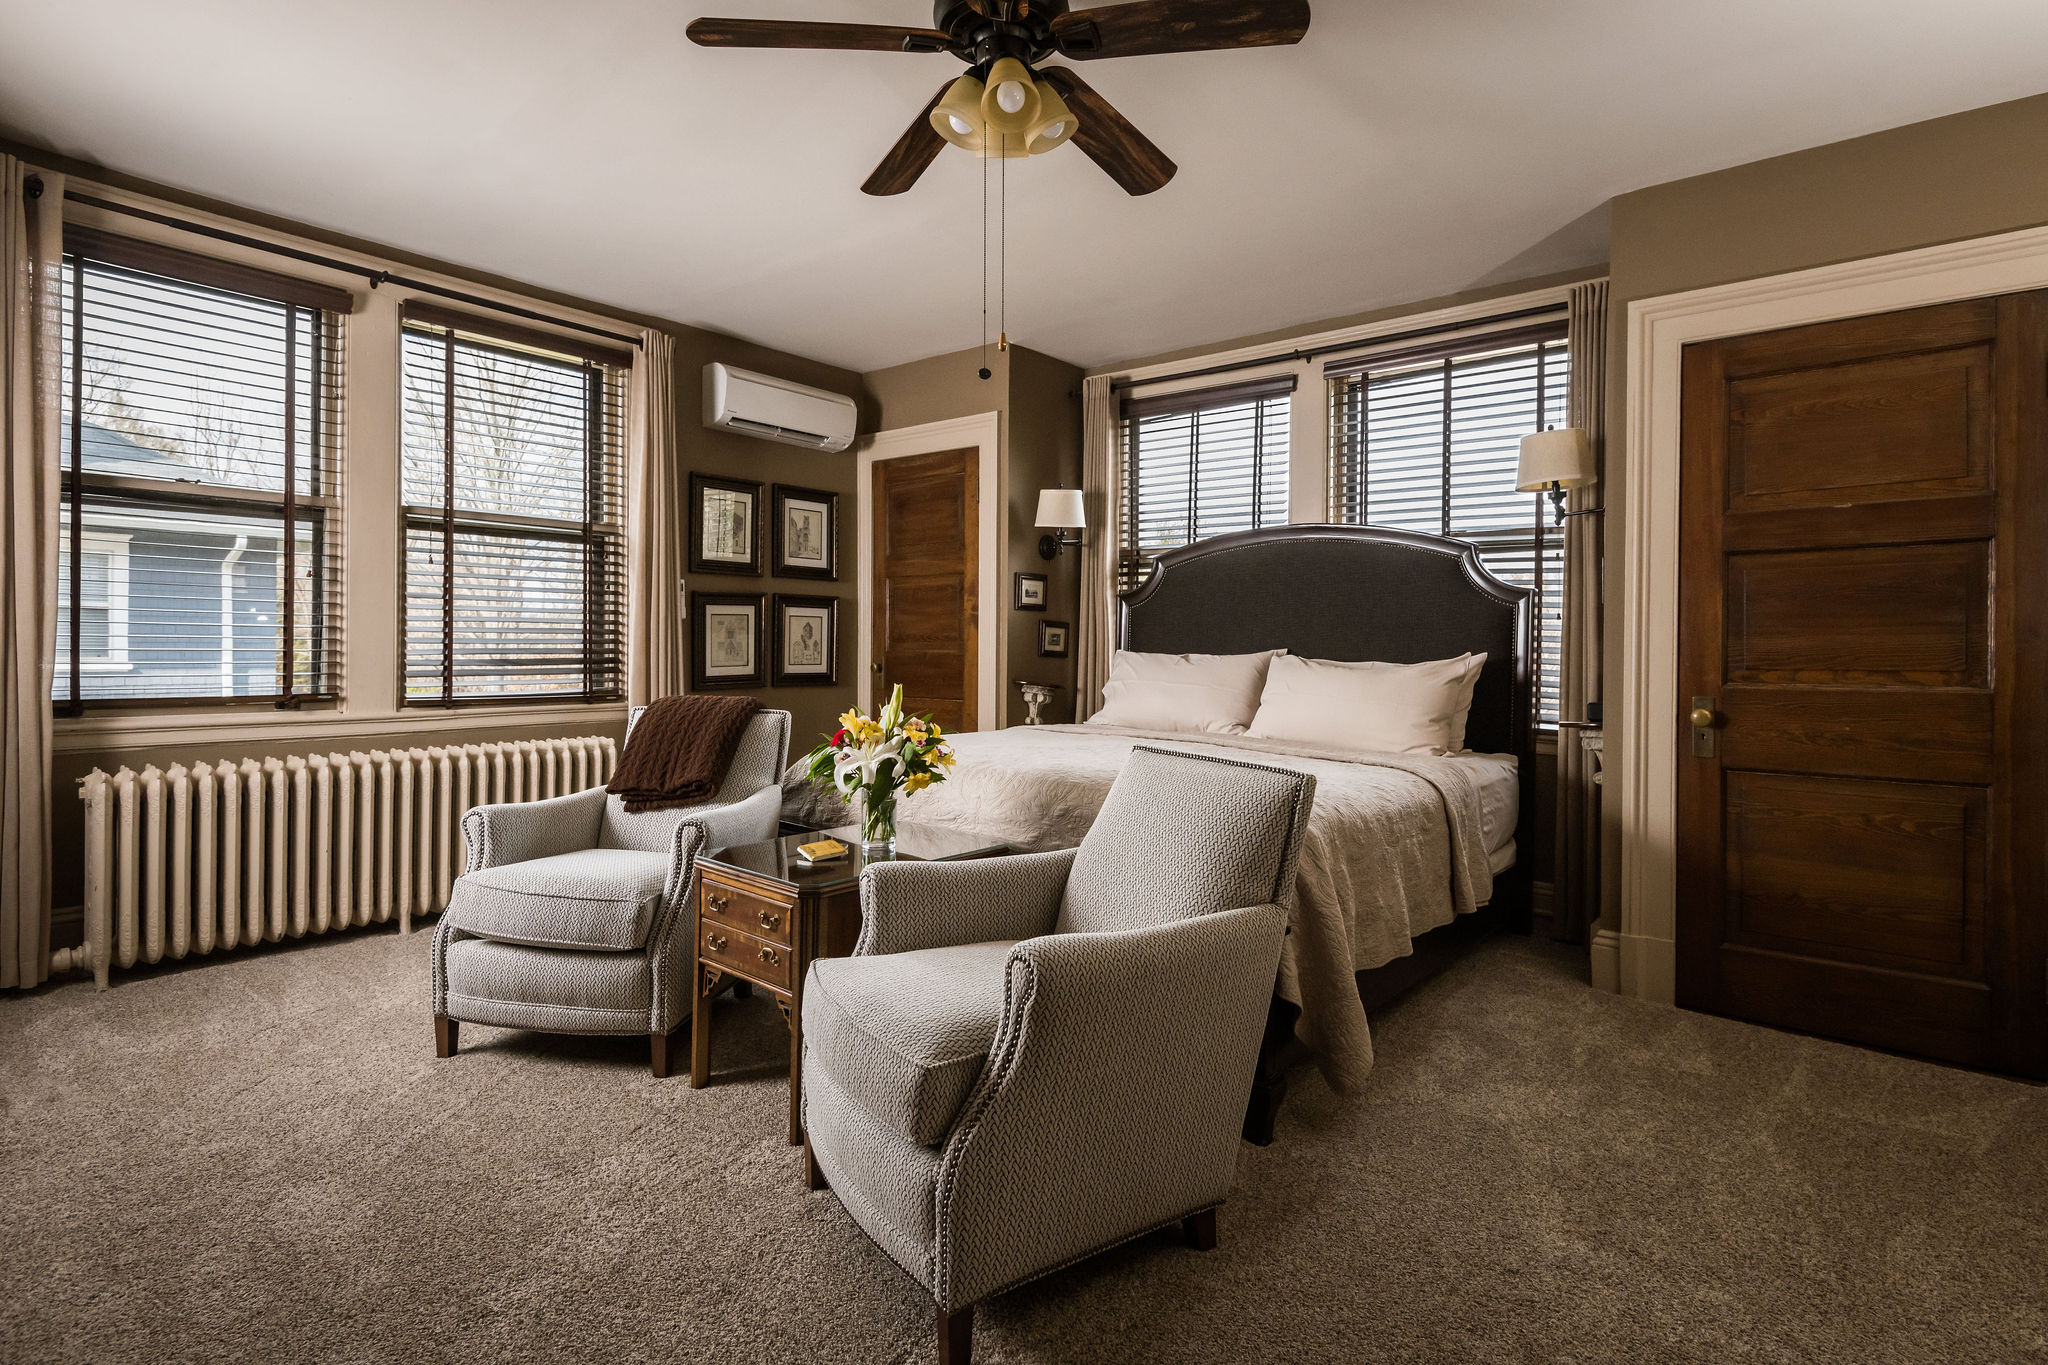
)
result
[(763, 915)]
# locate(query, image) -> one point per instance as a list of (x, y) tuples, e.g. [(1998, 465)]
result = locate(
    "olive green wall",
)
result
[(706, 450), (1972, 174), (1038, 402)]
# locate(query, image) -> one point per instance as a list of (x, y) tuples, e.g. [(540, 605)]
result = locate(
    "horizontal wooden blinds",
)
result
[(1428, 440), (512, 474), (201, 443), (1201, 463)]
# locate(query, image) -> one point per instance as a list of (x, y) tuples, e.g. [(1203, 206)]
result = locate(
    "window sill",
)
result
[(413, 727)]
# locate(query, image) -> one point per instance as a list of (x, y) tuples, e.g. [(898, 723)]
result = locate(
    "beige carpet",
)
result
[(259, 1159)]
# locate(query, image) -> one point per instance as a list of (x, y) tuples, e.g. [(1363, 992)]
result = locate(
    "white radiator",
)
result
[(220, 855)]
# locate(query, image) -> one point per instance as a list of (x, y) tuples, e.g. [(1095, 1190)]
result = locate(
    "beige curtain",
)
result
[(658, 645), (1102, 488), (31, 344), (1575, 900)]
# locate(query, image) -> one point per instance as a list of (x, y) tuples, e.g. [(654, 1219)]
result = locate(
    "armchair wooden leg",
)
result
[(445, 1030), (956, 1336), (814, 1174), (658, 1054), (1200, 1230)]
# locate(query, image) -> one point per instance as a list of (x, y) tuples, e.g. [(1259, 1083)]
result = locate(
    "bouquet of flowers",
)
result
[(877, 758)]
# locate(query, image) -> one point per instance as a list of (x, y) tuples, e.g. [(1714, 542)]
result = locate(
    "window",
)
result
[(514, 546), (1428, 440), (200, 453), (1200, 464)]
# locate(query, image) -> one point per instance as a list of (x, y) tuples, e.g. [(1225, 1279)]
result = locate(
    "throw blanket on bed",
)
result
[(678, 753), (1394, 847)]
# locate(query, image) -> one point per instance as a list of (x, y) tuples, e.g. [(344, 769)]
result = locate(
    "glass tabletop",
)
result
[(777, 858)]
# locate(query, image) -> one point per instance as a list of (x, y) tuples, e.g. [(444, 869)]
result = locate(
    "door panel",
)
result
[(1864, 823), (1882, 616), (927, 558)]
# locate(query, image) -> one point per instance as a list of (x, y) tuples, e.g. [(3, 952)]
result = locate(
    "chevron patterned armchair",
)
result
[(1031, 1059), (574, 915)]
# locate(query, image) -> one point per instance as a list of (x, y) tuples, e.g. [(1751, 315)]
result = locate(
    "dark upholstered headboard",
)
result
[(1346, 592)]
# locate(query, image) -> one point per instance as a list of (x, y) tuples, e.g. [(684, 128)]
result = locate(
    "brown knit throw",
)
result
[(678, 753)]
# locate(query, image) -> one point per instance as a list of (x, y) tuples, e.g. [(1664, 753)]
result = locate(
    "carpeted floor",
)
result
[(259, 1159)]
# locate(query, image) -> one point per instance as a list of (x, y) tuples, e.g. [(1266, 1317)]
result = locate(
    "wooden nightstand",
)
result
[(763, 915)]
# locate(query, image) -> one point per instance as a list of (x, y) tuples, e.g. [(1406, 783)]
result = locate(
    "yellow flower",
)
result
[(917, 782), (852, 720), (945, 756)]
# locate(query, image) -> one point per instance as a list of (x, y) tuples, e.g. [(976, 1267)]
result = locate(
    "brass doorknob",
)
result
[(1702, 718)]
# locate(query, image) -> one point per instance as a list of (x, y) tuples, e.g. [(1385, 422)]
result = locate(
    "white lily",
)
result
[(854, 768)]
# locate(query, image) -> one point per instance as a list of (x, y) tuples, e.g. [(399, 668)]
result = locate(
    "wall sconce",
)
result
[(1060, 508), (1553, 461)]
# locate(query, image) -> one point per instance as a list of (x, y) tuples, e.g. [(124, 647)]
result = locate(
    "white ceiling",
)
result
[(1406, 149)]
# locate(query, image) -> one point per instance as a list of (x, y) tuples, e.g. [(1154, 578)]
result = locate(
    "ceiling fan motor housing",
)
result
[(983, 40)]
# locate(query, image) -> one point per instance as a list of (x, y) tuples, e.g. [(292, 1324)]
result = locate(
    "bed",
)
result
[(1407, 856)]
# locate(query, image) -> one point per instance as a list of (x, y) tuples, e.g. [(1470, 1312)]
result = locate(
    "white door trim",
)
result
[(983, 430), (1641, 955)]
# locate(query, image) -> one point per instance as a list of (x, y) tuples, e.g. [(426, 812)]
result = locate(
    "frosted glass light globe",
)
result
[(961, 125), (1010, 96)]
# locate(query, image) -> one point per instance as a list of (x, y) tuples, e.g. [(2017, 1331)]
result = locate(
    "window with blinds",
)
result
[(1200, 464), (200, 441), (1428, 439), (513, 474)]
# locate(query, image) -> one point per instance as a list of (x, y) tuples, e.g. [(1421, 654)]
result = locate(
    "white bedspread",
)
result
[(1394, 848)]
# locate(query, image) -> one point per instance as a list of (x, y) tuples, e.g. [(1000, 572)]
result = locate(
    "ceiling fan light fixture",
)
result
[(1056, 123), (957, 117), (1010, 102)]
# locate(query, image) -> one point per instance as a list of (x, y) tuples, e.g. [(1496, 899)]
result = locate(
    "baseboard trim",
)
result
[(1648, 967), (1606, 958)]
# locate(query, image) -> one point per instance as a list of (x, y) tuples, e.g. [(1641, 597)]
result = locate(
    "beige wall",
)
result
[(1967, 175), (1038, 402)]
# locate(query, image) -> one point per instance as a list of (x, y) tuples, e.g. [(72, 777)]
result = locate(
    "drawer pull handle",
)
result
[(716, 942), (771, 957), (770, 918), (718, 904)]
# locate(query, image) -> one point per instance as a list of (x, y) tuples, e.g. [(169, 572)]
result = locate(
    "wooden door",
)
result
[(1864, 550), (927, 537)]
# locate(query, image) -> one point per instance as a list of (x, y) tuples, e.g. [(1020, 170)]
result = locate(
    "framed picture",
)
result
[(1052, 639), (725, 641), (806, 641), (806, 539), (1029, 591), (725, 525)]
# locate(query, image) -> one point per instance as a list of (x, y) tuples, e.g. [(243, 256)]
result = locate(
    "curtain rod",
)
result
[(1357, 344), (375, 277)]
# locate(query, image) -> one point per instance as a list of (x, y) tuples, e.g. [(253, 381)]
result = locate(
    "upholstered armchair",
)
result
[(573, 914), (1031, 1059)]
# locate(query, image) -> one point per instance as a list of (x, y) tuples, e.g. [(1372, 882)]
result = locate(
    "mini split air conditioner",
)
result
[(777, 410)]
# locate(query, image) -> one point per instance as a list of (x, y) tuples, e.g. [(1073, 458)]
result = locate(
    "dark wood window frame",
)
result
[(600, 532), (318, 308), (1350, 384)]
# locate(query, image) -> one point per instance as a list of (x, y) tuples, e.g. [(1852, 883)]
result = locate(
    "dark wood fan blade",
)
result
[(801, 33), (1144, 27), (919, 146), (1108, 138)]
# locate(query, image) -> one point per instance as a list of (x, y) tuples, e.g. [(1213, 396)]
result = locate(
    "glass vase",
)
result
[(878, 825)]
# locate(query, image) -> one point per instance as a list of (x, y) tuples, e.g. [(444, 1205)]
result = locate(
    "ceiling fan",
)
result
[(1007, 105)]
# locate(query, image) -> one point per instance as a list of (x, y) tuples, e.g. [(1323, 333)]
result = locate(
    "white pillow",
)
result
[(1213, 694), (1369, 707)]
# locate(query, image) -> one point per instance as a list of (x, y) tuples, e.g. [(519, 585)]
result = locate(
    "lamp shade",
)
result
[(1056, 122), (957, 117), (1061, 507), (1010, 103), (1561, 456)]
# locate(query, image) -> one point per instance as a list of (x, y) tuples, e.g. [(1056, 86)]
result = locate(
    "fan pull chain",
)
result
[(984, 371), (1003, 248)]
